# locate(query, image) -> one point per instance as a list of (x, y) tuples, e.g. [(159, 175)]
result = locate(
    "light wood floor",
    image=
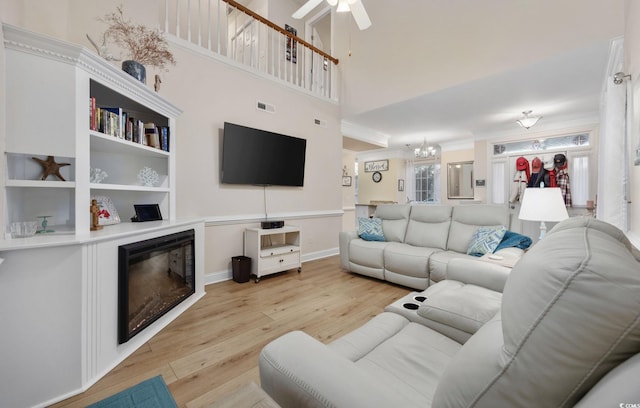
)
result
[(212, 349)]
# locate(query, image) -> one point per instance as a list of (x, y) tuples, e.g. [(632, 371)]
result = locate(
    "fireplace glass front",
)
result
[(154, 276)]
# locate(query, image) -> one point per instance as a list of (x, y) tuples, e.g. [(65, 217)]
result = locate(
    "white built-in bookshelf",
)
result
[(62, 288), (49, 113)]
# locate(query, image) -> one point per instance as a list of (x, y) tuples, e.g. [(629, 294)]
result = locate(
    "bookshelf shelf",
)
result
[(41, 183), (110, 144), (123, 187)]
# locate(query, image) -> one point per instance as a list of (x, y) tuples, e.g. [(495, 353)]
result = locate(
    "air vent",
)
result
[(265, 107), (321, 123)]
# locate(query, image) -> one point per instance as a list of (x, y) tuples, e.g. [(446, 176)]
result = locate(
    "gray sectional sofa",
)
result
[(420, 240), (561, 330)]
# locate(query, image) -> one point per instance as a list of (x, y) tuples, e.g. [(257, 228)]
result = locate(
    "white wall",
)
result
[(211, 92)]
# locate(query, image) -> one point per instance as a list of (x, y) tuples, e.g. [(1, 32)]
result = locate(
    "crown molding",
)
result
[(19, 39)]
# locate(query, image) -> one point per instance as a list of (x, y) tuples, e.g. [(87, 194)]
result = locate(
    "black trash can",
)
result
[(241, 266)]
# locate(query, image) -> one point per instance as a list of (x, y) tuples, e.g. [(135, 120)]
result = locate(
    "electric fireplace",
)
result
[(154, 276)]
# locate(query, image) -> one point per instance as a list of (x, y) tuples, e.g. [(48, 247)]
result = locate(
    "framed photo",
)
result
[(400, 184), (292, 45), (147, 212), (346, 181), (107, 213), (373, 166)]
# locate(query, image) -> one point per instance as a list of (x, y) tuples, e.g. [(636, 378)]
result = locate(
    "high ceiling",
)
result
[(459, 71), (564, 90)]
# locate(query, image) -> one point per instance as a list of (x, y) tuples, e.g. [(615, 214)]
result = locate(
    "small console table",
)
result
[(272, 250)]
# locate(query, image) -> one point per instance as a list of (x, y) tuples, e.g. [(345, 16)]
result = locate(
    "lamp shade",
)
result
[(543, 204)]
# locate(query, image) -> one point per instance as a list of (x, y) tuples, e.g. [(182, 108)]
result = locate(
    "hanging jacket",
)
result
[(562, 181), (520, 182), (550, 172)]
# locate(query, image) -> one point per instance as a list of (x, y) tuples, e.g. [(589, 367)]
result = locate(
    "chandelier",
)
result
[(425, 151)]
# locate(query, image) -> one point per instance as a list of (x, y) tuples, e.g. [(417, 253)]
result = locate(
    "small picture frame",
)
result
[(400, 184), (147, 212), (107, 213), (346, 181)]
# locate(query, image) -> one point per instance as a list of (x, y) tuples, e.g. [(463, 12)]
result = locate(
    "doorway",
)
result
[(319, 33)]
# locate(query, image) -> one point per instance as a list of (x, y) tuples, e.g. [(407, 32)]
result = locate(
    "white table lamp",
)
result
[(544, 205)]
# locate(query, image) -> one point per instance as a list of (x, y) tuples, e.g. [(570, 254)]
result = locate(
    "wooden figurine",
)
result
[(95, 209)]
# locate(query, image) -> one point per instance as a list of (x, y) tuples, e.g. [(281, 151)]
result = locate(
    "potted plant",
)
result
[(143, 45)]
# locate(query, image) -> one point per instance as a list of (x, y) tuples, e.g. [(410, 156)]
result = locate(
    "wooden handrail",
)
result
[(280, 30)]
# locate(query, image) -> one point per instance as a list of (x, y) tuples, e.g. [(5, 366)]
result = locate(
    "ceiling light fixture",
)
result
[(424, 151), (343, 6), (528, 121)]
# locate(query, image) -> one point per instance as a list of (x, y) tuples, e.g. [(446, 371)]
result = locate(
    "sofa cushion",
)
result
[(407, 259), (464, 307), (411, 362), (394, 220), (367, 253), (438, 263), (570, 313), (465, 220), (370, 229), (485, 240), (429, 226)]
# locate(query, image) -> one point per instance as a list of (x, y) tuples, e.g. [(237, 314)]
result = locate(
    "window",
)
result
[(579, 180), (427, 178)]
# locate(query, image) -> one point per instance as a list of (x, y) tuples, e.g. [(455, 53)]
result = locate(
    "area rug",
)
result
[(152, 393)]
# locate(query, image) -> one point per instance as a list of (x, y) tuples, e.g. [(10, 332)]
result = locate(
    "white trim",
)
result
[(221, 276), (250, 218), (27, 41), (364, 134)]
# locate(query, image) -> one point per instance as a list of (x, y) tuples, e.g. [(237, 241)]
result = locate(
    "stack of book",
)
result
[(114, 121)]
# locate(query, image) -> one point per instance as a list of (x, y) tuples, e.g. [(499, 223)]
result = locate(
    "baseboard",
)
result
[(221, 276)]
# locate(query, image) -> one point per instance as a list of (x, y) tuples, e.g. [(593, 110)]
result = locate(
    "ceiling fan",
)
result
[(355, 6)]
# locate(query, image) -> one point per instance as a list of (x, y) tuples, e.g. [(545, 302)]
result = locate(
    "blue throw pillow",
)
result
[(486, 240), (370, 229)]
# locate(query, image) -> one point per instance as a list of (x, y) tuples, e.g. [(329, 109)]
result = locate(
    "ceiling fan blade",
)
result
[(360, 15), (306, 8)]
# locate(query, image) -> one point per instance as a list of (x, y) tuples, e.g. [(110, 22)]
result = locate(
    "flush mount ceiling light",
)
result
[(528, 121)]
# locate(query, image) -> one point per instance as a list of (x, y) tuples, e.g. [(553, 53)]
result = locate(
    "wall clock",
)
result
[(376, 176)]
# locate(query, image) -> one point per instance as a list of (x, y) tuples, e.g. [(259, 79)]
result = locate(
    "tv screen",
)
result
[(259, 157)]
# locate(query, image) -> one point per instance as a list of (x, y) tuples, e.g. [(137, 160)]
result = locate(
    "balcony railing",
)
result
[(231, 30)]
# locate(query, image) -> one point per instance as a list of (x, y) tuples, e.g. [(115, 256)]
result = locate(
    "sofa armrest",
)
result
[(344, 239), (296, 370), (479, 273)]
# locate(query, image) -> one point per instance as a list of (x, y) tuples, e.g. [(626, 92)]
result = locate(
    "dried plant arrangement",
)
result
[(146, 46)]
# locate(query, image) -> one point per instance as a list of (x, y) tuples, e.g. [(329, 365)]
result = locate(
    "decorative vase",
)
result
[(135, 69)]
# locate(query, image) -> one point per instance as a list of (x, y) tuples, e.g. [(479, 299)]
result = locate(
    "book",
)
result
[(118, 121), (151, 135), (164, 138), (93, 122)]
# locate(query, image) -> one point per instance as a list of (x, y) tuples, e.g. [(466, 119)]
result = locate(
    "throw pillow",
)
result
[(485, 240), (370, 229)]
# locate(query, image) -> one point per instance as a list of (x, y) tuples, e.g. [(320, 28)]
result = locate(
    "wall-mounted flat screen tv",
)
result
[(258, 157)]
